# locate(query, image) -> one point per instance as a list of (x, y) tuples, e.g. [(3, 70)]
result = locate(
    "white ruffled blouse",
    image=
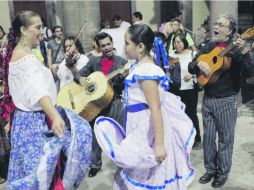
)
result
[(145, 71), (29, 81)]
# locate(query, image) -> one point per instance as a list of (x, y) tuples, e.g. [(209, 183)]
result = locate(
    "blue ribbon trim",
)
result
[(110, 145), (167, 181), (189, 138), (164, 80), (100, 119), (119, 128), (159, 51), (137, 107)]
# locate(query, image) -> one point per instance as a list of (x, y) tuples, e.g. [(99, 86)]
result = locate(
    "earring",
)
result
[(139, 56)]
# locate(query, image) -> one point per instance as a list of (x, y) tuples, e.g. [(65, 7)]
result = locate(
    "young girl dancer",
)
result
[(154, 152)]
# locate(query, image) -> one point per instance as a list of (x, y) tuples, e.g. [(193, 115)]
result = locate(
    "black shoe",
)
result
[(219, 181), (196, 144), (207, 177), (93, 172)]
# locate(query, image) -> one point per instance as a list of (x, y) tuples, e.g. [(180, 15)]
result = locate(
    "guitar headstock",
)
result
[(248, 34)]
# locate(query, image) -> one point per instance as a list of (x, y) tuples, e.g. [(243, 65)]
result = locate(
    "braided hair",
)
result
[(7, 106), (23, 18)]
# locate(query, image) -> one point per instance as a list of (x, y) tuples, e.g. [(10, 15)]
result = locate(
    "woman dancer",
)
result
[(41, 134), (154, 152)]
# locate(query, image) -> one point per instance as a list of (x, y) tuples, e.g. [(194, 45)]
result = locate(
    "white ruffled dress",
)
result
[(133, 149)]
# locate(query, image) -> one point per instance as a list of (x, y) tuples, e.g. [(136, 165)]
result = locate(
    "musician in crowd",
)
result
[(74, 59), (106, 63), (219, 108)]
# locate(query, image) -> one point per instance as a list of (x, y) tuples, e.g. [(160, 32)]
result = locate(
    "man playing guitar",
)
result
[(219, 108), (106, 63)]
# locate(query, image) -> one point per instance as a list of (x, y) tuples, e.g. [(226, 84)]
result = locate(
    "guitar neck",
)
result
[(116, 72), (227, 49)]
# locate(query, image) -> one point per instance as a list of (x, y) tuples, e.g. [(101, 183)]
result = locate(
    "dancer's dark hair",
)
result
[(142, 33)]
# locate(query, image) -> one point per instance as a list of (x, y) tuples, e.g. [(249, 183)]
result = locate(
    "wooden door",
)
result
[(36, 6), (110, 8)]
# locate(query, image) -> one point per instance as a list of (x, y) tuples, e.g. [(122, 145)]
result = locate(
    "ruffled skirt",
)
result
[(35, 152), (133, 150)]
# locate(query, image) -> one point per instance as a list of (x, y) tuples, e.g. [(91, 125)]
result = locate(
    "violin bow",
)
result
[(80, 30)]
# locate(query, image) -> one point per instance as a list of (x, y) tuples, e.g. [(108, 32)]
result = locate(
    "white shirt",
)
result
[(65, 75), (184, 60), (125, 25), (29, 81)]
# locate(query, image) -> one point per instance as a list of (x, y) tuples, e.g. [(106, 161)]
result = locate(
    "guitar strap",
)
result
[(57, 51)]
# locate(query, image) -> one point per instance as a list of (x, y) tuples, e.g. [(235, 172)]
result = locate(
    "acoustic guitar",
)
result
[(218, 61), (89, 99)]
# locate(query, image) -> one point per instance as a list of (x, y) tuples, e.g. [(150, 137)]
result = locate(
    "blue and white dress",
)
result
[(133, 150), (34, 150)]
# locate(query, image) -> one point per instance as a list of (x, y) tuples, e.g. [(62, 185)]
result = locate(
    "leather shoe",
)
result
[(196, 144), (93, 172), (219, 181), (207, 177)]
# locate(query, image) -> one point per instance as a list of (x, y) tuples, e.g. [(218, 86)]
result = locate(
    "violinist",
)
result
[(74, 59), (219, 108)]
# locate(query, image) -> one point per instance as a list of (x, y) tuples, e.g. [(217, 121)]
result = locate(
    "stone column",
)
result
[(75, 13), (223, 7), (187, 14)]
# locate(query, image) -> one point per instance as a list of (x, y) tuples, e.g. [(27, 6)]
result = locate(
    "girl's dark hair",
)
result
[(142, 33), (23, 18), (77, 44), (182, 37)]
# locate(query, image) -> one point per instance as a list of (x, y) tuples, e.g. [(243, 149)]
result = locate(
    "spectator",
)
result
[(137, 18), (177, 30), (120, 23), (104, 24)]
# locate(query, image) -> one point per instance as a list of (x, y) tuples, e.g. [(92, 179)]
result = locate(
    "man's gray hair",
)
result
[(232, 23)]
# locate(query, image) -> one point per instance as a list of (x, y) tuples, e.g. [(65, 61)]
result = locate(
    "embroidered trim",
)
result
[(22, 59), (165, 80), (167, 181)]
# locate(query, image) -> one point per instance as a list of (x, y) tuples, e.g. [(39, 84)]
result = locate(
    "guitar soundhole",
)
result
[(215, 59), (90, 88)]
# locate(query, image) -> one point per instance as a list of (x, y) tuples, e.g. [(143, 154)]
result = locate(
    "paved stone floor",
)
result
[(241, 176)]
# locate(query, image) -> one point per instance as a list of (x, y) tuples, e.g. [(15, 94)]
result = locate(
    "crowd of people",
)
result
[(150, 126)]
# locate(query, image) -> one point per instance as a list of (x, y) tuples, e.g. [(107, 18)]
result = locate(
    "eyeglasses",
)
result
[(220, 25)]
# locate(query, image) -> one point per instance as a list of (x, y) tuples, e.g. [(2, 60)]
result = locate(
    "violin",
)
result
[(71, 60)]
